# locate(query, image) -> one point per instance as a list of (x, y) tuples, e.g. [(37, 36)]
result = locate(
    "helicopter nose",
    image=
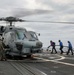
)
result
[(19, 46), (39, 44)]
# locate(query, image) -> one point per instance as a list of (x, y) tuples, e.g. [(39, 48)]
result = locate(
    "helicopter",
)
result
[(18, 41)]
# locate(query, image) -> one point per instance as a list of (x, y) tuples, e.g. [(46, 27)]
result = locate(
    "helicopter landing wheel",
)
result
[(28, 56)]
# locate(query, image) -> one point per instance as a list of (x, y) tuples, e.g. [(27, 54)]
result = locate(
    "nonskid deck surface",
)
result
[(43, 63)]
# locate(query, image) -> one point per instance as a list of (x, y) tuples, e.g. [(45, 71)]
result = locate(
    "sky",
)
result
[(55, 10)]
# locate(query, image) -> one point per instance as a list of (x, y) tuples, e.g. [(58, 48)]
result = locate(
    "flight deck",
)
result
[(42, 64)]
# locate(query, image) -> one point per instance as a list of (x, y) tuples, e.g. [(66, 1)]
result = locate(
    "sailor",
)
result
[(53, 46), (61, 46), (70, 48), (2, 51)]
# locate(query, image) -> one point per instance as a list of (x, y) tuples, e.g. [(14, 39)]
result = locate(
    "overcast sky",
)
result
[(59, 10)]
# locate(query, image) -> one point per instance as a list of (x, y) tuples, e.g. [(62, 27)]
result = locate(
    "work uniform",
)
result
[(53, 46), (70, 48), (61, 46), (2, 52)]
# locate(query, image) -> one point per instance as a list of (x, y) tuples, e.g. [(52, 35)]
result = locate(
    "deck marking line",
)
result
[(56, 61)]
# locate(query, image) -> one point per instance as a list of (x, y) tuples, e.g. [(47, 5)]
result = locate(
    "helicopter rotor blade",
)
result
[(14, 19), (50, 22)]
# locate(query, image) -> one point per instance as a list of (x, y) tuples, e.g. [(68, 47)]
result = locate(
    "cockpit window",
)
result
[(34, 36), (20, 34)]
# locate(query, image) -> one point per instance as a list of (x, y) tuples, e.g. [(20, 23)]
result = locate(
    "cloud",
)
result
[(28, 4), (63, 10), (62, 1), (22, 12), (34, 4), (21, 6)]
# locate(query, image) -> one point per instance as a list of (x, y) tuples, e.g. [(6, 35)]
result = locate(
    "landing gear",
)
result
[(29, 56)]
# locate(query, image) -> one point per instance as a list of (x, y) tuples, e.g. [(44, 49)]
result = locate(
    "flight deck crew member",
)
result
[(2, 52), (61, 46), (70, 48), (53, 46), (1, 48)]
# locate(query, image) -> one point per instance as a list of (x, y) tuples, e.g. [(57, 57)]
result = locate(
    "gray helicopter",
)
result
[(19, 41)]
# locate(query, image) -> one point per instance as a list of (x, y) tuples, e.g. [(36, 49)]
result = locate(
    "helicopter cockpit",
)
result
[(33, 35), (20, 34)]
